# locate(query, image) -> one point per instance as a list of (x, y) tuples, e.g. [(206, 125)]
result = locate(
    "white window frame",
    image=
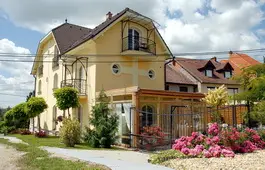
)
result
[(208, 71), (153, 74), (228, 73), (119, 69)]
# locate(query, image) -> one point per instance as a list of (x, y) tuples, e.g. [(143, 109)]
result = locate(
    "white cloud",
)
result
[(226, 25), (199, 28), (14, 76)]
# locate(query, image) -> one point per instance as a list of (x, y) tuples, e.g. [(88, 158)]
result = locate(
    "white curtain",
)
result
[(127, 107)]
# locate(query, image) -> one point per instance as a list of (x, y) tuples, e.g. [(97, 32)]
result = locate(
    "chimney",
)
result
[(108, 15)]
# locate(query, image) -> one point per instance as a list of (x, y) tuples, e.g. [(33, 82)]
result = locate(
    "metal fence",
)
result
[(159, 130)]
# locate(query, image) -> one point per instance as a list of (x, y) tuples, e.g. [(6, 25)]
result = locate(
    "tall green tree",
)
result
[(104, 122), (252, 80), (66, 98), (34, 107)]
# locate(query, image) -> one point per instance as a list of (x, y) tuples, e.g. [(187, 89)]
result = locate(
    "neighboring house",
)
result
[(116, 56), (199, 75), (240, 61)]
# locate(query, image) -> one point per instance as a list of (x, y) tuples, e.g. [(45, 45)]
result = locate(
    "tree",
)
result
[(252, 80), (66, 98), (104, 122), (20, 117), (216, 98), (34, 107)]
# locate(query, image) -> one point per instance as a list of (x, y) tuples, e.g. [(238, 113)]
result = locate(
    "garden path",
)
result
[(116, 160)]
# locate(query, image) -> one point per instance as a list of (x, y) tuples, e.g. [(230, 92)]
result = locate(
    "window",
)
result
[(228, 74), (151, 74), (183, 89), (133, 39), (55, 59), (55, 81), (232, 91), (39, 87), (147, 115), (116, 68), (54, 117), (209, 73), (210, 88)]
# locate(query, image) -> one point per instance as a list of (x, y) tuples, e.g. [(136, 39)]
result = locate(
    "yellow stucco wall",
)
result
[(134, 72), (134, 69)]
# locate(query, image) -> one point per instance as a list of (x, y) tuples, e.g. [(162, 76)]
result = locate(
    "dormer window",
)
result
[(209, 73), (228, 74)]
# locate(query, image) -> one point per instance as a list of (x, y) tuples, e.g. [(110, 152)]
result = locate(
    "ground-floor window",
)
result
[(147, 115)]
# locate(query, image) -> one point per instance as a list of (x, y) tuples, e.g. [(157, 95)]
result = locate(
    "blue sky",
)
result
[(186, 26), (22, 37)]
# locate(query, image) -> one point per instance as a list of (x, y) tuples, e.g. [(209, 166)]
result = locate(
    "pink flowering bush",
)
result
[(152, 136), (219, 142)]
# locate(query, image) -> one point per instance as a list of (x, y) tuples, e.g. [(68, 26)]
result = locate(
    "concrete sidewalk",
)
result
[(116, 160)]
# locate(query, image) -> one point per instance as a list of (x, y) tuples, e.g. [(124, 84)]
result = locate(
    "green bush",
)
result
[(70, 132), (66, 98), (105, 125), (163, 156)]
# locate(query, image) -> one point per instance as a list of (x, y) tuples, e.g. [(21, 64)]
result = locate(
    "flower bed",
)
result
[(217, 142)]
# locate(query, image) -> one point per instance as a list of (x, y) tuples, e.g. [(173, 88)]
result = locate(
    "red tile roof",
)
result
[(239, 61), (174, 75), (194, 66)]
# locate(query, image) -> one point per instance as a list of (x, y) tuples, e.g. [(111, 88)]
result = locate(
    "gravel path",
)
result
[(250, 161), (8, 157)]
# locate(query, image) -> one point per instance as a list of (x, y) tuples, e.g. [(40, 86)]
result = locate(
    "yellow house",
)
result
[(120, 56)]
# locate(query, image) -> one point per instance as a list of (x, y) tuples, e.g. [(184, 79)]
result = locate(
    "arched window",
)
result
[(147, 115), (55, 81), (39, 87), (133, 39), (54, 117)]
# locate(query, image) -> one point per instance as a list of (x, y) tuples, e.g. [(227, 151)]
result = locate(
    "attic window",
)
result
[(209, 73), (228, 74)]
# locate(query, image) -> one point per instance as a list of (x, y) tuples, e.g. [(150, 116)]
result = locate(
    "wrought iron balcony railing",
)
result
[(139, 44), (79, 84), (40, 70)]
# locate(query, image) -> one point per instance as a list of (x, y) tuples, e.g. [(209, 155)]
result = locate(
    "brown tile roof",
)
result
[(194, 65), (66, 34), (239, 61), (174, 75)]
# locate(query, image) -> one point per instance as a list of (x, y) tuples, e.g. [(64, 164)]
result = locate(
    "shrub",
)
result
[(25, 132), (163, 156), (70, 132), (152, 136), (41, 134), (105, 124)]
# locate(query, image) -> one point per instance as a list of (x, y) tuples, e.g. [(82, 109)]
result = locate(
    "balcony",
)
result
[(40, 70), (79, 84), (136, 43), (55, 62)]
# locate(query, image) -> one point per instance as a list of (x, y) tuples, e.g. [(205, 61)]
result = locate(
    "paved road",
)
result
[(116, 160)]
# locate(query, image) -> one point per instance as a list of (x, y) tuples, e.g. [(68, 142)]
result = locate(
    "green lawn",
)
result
[(52, 141), (38, 159)]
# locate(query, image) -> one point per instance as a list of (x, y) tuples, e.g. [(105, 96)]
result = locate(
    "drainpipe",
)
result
[(173, 59)]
